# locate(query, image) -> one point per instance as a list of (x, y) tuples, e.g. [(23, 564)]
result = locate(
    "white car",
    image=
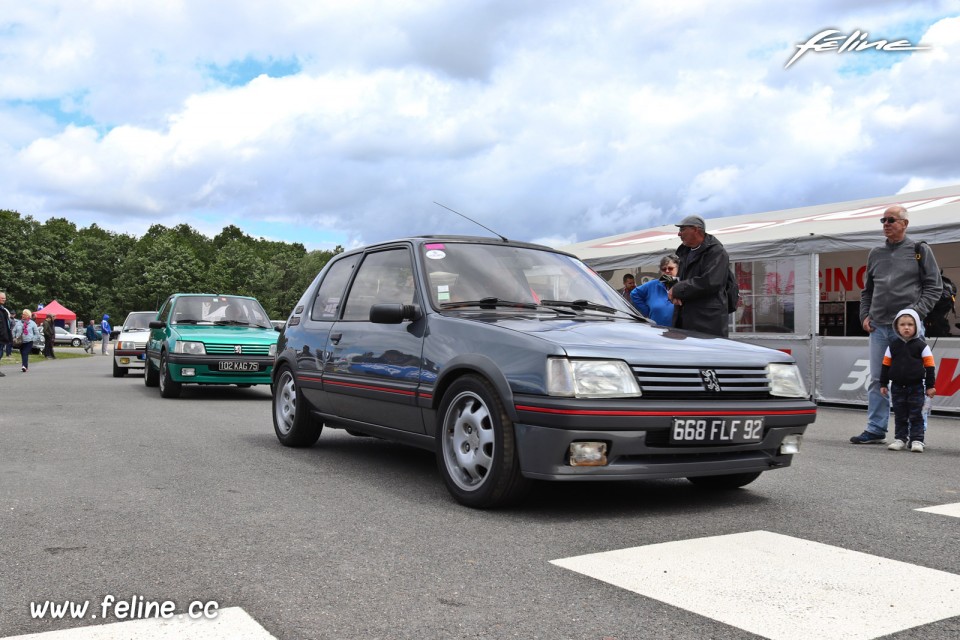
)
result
[(129, 351)]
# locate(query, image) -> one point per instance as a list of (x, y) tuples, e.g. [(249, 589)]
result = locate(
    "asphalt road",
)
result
[(105, 488)]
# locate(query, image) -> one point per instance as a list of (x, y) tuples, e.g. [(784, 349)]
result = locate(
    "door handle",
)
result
[(335, 338)]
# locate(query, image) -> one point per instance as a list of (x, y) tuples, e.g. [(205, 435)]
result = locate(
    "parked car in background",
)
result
[(130, 349), (209, 339), (513, 362), (63, 337)]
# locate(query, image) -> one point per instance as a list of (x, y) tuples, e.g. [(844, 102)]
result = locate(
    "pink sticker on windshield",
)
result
[(434, 246)]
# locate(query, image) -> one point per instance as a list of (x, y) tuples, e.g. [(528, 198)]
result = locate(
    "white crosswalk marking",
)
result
[(232, 623), (780, 587), (944, 509)]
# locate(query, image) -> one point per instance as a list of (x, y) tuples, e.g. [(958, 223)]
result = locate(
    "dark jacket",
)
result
[(6, 331), (908, 361), (702, 288), (48, 331)]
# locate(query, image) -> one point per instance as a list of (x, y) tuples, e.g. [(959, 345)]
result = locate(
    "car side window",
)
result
[(162, 314), (384, 277), (326, 306)]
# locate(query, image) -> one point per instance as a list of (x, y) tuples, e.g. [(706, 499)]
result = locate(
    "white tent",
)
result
[(844, 226), (802, 271)]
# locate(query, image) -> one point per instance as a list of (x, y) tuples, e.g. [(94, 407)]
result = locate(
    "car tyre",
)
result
[(118, 372), (292, 422), (150, 376), (476, 446), (731, 481), (169, 388), (75, 342)]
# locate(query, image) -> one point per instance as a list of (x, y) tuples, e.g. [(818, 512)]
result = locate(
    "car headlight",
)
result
[(785, 380), (190, 348), (125, 344), (591, 379), (272, 352)]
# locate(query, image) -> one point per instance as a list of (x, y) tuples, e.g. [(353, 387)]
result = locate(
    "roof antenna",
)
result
[(472, 220)]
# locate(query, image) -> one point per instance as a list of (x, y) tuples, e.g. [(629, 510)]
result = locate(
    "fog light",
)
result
[(791, 444), (188, 372), (124, 360), (588, 454)]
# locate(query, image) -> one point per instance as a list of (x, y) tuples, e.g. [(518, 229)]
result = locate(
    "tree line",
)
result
[(92, 271)]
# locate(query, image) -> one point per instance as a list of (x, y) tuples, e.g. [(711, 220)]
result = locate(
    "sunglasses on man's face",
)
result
[(889, 220)]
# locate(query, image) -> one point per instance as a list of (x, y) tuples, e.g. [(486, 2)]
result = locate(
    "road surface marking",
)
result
[(780, 587)]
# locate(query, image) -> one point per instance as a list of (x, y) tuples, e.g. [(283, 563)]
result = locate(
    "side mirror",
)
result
[(393, 313), (158, 324)]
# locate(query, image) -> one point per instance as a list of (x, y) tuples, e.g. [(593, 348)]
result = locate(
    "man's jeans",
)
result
[(106, 343), (878, 407)]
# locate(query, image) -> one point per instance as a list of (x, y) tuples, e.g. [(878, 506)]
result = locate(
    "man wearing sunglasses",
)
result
[(896, 279)]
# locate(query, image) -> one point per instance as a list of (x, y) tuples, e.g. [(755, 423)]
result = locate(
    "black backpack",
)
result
[(936, 324), (733, 293)]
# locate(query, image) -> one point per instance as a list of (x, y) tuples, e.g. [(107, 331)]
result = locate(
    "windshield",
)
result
[(462, 272), (220, 310), (139, 320)]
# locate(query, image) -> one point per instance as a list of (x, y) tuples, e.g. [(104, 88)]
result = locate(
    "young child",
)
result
[(908, 363)]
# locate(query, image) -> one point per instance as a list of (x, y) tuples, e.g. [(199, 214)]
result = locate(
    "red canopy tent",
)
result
[(56, 309)]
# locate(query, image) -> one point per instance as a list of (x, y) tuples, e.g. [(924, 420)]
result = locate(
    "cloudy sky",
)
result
[(342, 122)]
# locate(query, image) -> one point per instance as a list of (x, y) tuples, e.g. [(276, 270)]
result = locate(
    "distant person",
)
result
[(6, 329), (896, 279), (908, 374), (91, 333), (26, 332), (700, 296), (629, 284), (651, 297), (105, 339), (49, 336)]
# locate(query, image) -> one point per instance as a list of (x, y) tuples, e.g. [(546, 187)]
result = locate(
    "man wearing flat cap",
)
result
[(700, 296)]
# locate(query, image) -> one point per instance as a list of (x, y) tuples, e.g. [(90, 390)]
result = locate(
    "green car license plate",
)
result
[(717, 430), (233, 365)]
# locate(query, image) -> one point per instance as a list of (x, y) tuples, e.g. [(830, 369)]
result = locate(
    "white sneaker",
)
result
[(916, 446), (897, 445)]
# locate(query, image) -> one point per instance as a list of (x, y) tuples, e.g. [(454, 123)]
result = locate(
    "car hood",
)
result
[(637, 342), (226, 335)]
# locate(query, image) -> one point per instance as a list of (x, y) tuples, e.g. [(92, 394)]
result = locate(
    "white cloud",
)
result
[(557, 121)]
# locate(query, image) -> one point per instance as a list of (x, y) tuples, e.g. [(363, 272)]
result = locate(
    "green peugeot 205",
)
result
[(209, 339)]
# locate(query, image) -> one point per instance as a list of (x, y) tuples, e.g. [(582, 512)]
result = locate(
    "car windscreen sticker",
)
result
[(436, 254), (435, 245), (443, 293), (331, 307)]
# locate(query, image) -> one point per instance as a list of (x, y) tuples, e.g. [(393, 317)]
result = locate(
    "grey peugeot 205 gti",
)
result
[(515, 362)]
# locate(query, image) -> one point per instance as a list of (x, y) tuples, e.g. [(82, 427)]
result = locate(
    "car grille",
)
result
[(688, 383), (230, 349)]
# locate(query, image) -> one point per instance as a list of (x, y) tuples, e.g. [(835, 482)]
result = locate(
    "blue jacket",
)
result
[(651, 299), (30, 332)]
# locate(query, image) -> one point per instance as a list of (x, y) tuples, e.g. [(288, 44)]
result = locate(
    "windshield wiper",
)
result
[(187, 321), (232, 322), (488, 303), (579, 305)]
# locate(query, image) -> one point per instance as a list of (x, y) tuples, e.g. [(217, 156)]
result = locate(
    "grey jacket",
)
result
[(897, 280)]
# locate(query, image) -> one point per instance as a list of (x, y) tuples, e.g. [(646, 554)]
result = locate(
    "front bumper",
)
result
[(129, 358), (207, 371), (638, 443)]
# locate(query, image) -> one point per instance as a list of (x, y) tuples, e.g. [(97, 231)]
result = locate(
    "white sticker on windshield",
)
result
[(436, 254)]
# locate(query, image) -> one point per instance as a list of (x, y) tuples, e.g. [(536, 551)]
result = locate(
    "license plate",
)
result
[(233, 365), (716, 430)]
